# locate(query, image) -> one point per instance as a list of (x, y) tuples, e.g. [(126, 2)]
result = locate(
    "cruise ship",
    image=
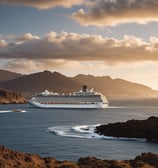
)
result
[(83, 99)]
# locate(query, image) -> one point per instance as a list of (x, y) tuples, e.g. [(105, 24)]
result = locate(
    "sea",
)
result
[(68, 134)]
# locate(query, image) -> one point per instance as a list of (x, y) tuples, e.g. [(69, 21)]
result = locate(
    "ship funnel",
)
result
[(84, 88)]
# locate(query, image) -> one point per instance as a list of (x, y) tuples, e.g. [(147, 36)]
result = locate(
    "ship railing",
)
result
[(69, 102)]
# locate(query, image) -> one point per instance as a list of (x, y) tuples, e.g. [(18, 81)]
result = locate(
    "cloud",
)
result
[(28, 66), (114, 12), (22, 65), (19, 39), (82, 47), (43, 4), (3, 43), (27, 37)]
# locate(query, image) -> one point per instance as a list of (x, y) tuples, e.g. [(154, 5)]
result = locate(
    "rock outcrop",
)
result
[(131, 129), (7, 97), (145, 160), (13, 159)]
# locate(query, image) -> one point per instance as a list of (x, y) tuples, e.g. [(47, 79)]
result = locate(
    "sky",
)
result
[(117, 38)]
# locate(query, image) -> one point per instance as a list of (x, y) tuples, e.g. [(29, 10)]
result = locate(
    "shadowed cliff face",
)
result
[(7, 75), (7, 96), (132, 129), (13, 159)]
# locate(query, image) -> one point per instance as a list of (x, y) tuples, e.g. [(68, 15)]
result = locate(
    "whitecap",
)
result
[(12, 111), (23, 111), (89, 129), (5, 111), (80, 131), (85, 131), (116, 107), (64, 131)]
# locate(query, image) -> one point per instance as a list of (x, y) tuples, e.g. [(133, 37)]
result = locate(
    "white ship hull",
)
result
[(83, 99), (64, 106)]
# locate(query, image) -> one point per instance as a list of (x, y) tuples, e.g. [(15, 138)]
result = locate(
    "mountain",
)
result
[(56, 82), (38, 82), (116, 88), (7, 75)]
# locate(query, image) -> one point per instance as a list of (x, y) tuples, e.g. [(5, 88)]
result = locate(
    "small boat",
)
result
[(18, 110)]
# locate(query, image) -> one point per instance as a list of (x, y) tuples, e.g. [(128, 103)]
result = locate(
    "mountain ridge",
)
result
[(37, 82), (57, 82), (8, 75), (118, 88)]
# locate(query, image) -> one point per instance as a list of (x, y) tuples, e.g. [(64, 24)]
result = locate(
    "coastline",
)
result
[(89, 159), (146, 129), (14, 159), (11, 97)]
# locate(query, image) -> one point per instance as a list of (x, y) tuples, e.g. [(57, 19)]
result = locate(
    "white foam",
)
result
[(85, 128), (116, 107), (63, 131), (85, 131), (23, 111), (81, 131), (12, 111), (5, 111)]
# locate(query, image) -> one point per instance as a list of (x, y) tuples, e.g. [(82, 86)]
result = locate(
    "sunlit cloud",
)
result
[(22, 65), (81, 47), (27, 37), (12, 38), (139, 72), (29, 66), (3, 43), (114, 12), (43, 4)]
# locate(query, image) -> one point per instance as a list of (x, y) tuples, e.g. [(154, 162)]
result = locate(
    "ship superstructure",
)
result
[(83, 99)]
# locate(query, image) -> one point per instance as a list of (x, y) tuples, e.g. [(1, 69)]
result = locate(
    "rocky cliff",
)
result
[(14, 159), (132, 129), (7, 97)]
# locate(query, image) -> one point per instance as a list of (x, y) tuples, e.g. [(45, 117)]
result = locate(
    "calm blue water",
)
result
[(68, 134)]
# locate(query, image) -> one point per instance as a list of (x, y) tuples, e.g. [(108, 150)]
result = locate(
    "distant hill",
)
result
[(38, 82), (116, 88), (56, 82), (7, 75)]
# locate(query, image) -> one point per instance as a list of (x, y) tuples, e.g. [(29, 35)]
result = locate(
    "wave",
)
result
[(5, 111), (82, 131), (12, 111), (85, 131), (111, 107)]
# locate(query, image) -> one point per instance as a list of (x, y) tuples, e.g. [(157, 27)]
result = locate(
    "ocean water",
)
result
[(68, 134)]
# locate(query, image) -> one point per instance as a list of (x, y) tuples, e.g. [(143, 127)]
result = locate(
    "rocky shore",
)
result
[(7, 97), (14, 159), (131, 129)]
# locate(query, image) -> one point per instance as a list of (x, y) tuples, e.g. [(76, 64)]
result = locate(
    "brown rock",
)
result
[(13, 159), (132, 129), (7, 97), (146, 159), (92, 162)]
